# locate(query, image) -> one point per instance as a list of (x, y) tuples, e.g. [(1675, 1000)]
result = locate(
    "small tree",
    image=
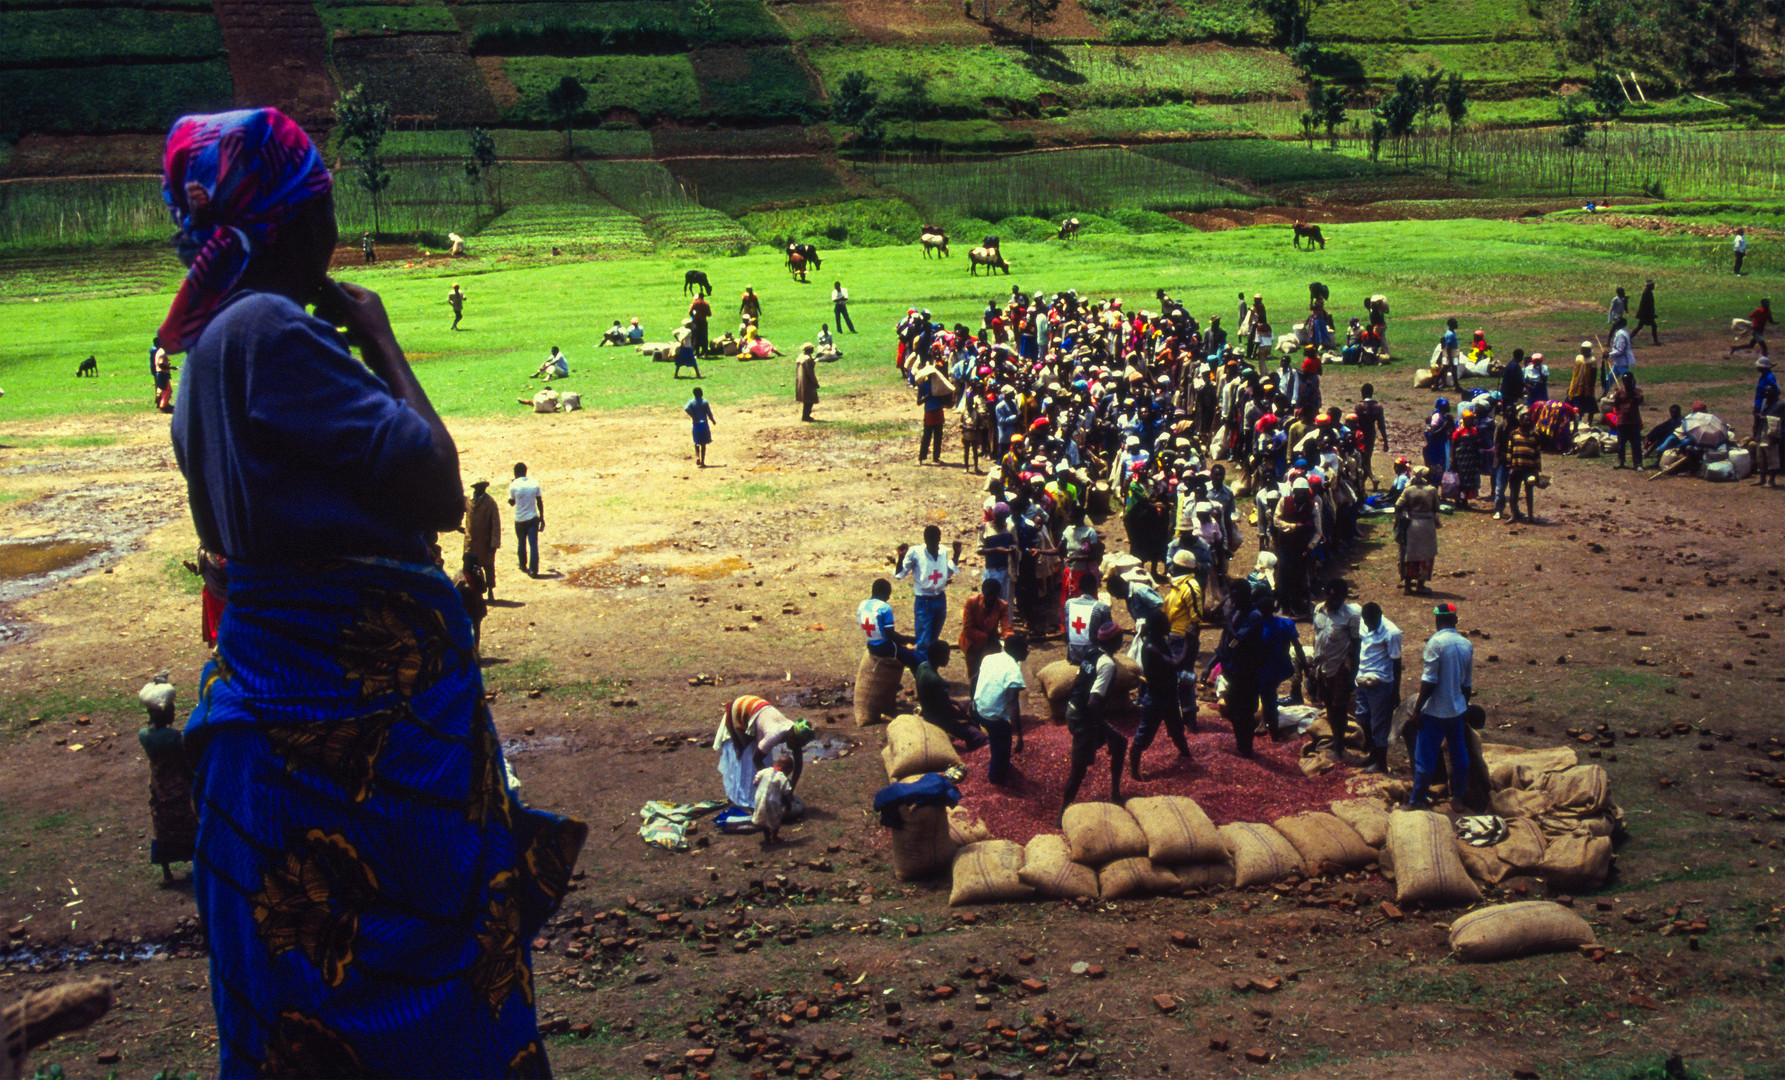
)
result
[(1037, 13), (854, 99), (1576, 122), (363, 124), (909, 98), (562, 103), (1316, 110), (1400, 110), (1607, 94), (1378, 131), (1431, 93), (1332, 113), (482, 167), (1456, 107)]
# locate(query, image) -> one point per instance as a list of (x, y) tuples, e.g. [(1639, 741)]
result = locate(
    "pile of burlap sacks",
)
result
[(1558, 813)]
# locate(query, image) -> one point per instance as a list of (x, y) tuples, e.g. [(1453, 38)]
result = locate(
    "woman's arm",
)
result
[(436, 493)]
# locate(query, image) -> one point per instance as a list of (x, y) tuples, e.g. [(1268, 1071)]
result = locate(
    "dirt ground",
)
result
[(666, 590)]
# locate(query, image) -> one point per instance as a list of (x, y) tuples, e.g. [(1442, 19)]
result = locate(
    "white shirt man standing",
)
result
[(1445, 687), (529, 518), (1378, 683)]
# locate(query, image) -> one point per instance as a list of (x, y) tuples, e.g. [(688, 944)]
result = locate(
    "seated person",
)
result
[(635, 333), (556, 366), (616, 335), (825, 340)]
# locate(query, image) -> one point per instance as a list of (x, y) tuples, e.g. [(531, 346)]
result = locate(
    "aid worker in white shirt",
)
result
[(930, 570)]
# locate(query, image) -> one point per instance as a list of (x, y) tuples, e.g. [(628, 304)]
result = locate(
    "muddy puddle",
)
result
[(616, 574), (541, 744), (52, 957), (36, 558), (817, 697), (828, 746)]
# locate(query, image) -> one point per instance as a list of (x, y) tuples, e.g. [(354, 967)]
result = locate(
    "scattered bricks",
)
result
[(1132, 948), (1218, 1044), (700, 1056), (1165, 1003), (1025, 959), (1095, 971), (108, 1057), (1391, 913), (1033, 986), (913, 930), (1524, 1074), (1258, 1056), (1241, 986), (1184, 941), (1266, 986)]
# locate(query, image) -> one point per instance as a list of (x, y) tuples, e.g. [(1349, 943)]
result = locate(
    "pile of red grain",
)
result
[(1228, 787)]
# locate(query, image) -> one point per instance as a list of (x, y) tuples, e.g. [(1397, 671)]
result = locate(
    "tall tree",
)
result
[(1315, 112), (1332, 113), (1456, 108), (563, 102), (1037, 13), (1399, 111), (481, 167), (910, 98), (854, 98), (1576, 122), (363, 123)]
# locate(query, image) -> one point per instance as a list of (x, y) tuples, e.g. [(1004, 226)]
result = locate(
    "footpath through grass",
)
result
[(1520, 281)]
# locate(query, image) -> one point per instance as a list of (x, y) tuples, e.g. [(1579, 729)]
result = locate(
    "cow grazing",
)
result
[(696, 281), (934, 242), (1069, 228), (797, 263), (990, 258), (806, 251), (1311, 233), (88, 368)]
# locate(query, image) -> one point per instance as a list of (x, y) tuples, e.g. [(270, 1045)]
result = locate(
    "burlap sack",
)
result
[(1524, 845), (1576, 862), (877, 680), (1100, 832), (922, 847), (1204, 877), (1056, 681), (1322, 839), (914, 748), (1506, 931), (964, 828), (1368, 816), (1427, 868), (1504, 761), (1049, 870), (1260, 853), (1177, 830), (986, 873), (1580, 792), (1481, 863), (1134, 877)]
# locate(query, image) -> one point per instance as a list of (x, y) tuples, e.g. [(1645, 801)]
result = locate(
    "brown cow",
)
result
[(1312, 235)]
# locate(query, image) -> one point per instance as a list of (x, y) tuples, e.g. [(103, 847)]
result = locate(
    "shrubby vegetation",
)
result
[(85, 35), (111, 97), (1156, 22), (607, 26), (650, 86)]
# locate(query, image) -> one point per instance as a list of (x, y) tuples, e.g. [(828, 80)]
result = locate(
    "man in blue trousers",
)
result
[(930, 570), (1444, 691)]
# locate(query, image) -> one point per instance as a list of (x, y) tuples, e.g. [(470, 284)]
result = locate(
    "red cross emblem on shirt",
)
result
[(867, 626), (935, 576), (1078, 624)]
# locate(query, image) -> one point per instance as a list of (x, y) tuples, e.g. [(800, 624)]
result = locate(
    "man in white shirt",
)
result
[(930, 570), (1740, 247), (996, 705), (1338, 633), (1444, 691), (1378, 683), (529, 518), (840, 307)]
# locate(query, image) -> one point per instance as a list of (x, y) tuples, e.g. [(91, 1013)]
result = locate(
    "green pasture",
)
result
[(87, 35), (1515, 279), (1153, 22), (1390, 20)]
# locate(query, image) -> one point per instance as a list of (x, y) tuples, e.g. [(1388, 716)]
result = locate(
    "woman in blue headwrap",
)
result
[(368, 882)]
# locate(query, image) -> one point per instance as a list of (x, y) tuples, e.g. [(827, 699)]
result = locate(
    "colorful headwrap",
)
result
[(230, 180)]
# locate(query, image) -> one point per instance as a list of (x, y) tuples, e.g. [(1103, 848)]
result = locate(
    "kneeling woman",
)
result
[(368, 882), (752, 734)]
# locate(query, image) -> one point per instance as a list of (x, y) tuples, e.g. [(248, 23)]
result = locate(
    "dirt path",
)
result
[(1640, 604)]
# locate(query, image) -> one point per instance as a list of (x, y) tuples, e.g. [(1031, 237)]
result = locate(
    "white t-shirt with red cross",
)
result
[(875, 617), (929, 574)]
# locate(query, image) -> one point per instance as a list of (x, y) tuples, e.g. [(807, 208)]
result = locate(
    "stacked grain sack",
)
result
[(1559, 816), (927, 838), (914, 748)]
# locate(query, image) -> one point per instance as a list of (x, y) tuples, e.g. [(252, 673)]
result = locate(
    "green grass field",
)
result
[(1429, 269)]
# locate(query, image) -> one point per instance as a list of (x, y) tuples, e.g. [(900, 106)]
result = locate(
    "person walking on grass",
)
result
[(529, 518), (1758, 321), (805, 380), (455, 299), (1445, 687), (840, 307), (1645, 314), (1620, 305), (1740, 248), (701, 413)]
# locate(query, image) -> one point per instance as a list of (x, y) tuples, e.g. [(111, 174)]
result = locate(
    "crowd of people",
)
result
[(1079, 408)]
